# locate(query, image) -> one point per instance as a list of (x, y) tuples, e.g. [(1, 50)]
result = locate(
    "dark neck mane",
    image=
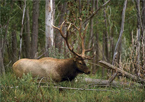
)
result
[(67, 69)]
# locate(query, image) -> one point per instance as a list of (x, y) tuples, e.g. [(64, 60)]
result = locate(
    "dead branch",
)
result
[(124, 73), (80, 89), (101, 82)]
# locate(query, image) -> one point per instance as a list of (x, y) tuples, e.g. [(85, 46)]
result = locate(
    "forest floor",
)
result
[(29, 90)]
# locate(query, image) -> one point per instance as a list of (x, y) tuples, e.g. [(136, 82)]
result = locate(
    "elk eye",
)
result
[(80, 63)]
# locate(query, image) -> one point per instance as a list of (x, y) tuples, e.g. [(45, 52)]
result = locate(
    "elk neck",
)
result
[(67, 69)]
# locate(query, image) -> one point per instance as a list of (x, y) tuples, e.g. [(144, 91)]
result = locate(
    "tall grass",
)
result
[(28, 90)]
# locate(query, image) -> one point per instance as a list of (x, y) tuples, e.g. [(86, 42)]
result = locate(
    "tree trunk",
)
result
[(105, 35), (91, 41), (139, 31), (49, 17), (14, 46), (27, 35), (2, 69), (34, 37), (22, 26), (143, 39), (2, 47), (96, 42)]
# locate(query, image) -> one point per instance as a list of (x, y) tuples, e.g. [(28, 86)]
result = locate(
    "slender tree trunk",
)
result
[(21, 33), (27, 43), (121, 32), (97, 41), (139, 30), (105, 41), (49, 17), (112, 42), (34, 38), (143, 39), (2, 69), (105, 35), (14, 46), (91, 41), (2, 47)]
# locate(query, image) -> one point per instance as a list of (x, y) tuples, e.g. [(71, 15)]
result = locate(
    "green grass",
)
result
[(27, 90)]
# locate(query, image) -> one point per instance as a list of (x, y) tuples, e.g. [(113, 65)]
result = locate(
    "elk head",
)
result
[(78, 58)]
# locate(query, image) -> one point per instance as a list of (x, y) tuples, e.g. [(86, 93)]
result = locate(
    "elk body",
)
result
[(56, 69)]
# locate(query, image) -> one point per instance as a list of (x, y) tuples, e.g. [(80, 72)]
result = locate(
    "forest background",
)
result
[(116, 32)]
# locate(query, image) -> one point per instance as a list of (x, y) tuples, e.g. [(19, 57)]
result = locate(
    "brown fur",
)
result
[(56, 69)]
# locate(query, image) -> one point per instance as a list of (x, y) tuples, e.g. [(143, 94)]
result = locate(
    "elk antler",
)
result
[(81, 36), (66, 37)]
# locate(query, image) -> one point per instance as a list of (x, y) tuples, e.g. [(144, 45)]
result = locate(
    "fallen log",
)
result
[(124, 73), (101, 82)]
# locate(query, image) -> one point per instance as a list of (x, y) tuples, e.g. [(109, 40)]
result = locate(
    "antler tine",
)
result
[(71, 49), (66, 37), (85, 29), (82, 38), (60, 29)]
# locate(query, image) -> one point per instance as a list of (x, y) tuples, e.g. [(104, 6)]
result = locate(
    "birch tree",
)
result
[(49, 17), (21, 33)]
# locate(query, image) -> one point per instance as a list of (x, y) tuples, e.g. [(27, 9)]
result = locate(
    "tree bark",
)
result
[(139, 36), (143, 39), (14, 46), (2, 47), (105, 35), (34, 37), (2, 69), (21, 33), (49, 17), (27, 43), (96, 42)]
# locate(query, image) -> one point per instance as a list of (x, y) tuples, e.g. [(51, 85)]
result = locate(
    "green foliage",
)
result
[(54, 52), (27, 90)]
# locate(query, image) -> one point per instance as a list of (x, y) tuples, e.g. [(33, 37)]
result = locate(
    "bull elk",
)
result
[(57, 69)]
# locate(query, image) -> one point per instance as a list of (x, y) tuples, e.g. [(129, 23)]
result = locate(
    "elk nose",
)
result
[(88, 72)]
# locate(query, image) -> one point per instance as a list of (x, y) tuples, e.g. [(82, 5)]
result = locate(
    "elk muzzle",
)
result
[(87, 72)]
